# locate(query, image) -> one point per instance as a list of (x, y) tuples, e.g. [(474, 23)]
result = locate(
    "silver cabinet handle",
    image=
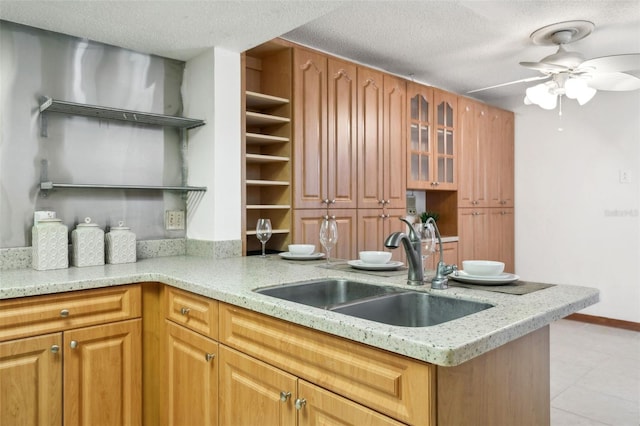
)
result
[(332, 201), (73, 344), (300, 403), (55, 349), (64, 313), (185, 311), (209, 356), (284, 396)]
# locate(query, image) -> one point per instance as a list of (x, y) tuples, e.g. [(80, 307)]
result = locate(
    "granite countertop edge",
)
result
[(231, 280)]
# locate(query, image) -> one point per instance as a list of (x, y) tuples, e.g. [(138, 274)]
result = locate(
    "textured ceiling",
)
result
[(455, 45)]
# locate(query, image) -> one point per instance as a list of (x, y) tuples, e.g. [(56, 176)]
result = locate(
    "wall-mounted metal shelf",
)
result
[(45, 186), (107, 113)]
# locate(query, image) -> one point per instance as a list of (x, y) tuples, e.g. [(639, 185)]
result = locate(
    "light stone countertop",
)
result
[(232, 280)]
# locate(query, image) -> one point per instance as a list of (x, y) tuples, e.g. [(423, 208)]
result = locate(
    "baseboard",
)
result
[(609, 322)]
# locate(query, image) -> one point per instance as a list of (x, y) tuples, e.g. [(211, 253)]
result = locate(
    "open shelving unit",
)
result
[(50, 105), (267, 147)]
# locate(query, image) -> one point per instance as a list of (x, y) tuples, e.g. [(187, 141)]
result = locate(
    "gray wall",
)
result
[(35, 63)]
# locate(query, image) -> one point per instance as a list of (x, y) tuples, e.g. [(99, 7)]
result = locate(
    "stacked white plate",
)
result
[(389, 266), (501, 279)]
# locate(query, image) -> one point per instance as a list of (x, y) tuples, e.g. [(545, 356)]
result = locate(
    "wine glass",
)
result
[(263, 232), (328, 235), (427, 240)]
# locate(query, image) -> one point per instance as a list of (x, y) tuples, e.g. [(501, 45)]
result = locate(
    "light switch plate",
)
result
[(174, 220)]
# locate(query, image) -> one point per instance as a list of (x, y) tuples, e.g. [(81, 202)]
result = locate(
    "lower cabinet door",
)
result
[(103, 374), (253, 392), (321, 407), (31, 381), (191, 387)]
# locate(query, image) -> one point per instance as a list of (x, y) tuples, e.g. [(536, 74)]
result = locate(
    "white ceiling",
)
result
[(455, 45)]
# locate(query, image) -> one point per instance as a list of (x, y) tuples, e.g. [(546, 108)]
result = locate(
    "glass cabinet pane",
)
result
[(449, 174), (414, 107), (449, 143), (441, 114), (424, 169), (449, 116), (424, 109), (424, 139), (415, 166), (415, 138)]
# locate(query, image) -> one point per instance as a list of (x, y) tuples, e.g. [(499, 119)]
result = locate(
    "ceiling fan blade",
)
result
[(544, 67), (614, 81), (524, 80), (613, 63)]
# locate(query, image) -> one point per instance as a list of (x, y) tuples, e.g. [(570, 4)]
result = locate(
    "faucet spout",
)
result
[(416, 275)]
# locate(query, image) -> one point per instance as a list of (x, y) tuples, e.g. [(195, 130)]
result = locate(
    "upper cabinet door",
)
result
[(370, 139), (342, 164), (473, 153), (501, 170), (394, 148), (310, 156), (420, 144), (445, 139)]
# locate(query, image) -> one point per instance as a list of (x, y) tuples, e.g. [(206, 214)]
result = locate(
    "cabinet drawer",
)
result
[(198, 313), (31, 316), (397, 386)]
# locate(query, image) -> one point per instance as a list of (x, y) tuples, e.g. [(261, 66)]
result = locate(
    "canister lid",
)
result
[(120, 227), (87, 222)]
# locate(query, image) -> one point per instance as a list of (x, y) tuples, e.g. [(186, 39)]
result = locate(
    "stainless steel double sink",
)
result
[(383, 304)]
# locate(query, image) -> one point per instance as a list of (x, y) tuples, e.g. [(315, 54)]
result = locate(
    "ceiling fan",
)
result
[(569, 74)]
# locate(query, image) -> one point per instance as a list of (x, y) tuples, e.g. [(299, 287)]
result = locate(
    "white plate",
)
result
[(291, 256), (389, 266), (504, 278)]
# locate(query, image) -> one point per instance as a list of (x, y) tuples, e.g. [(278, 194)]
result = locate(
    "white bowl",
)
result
[(301, 249), (484, 268), (375, 257)]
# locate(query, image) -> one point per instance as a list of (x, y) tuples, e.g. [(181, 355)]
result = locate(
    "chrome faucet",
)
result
[(440, 281), (412, 247)]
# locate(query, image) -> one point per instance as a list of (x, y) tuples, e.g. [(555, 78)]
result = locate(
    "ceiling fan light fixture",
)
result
[(577, 88), (542, 95)]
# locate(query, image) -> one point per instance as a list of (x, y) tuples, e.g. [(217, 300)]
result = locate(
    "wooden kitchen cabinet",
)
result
[(191, 378), (254, 393), (375, 225), (31, 381), (381, 140), (93, 358), (500, 187), (102, 374), (474, 153), (325, 150), (389, 384), (486, 234), (307, 230), (431, 148), (266, 151)]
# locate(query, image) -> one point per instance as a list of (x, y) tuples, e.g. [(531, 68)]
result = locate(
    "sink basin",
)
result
[(412, 309), (324, 293)]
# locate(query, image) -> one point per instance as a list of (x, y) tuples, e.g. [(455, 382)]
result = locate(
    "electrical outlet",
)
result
[(174, 220), (411, 205)]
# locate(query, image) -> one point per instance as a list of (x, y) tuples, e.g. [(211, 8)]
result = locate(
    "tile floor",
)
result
[(595, 375)]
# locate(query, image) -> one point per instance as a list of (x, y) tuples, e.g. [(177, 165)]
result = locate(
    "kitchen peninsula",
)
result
[(428, 361)]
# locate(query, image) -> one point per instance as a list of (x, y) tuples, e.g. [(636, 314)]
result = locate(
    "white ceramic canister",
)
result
[(120, 244), (88, 244), (50, 245)]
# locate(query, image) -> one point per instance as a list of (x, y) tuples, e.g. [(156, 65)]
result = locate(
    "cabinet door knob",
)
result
[(332, 201), (73, 344), (64, 313), (185, 311), (300, 403), (284, 396), (325, 201), (55, 349), (209, 356)]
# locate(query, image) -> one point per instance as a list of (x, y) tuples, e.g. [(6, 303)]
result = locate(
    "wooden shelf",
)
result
[(261, 139), (261, 100), (275, 231), (256, 182), (260, 158), (268, 207), (258, 119)]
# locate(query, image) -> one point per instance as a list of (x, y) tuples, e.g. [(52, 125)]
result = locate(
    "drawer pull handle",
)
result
[(73, 344), (185, 311), (284, 396), (55, 349), (209, 356), (300, 403), (64, 313)]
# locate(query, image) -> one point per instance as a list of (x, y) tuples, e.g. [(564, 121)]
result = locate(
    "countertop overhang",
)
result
[(232, 280)]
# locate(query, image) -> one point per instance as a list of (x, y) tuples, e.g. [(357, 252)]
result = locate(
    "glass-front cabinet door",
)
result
[(431, 148)]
